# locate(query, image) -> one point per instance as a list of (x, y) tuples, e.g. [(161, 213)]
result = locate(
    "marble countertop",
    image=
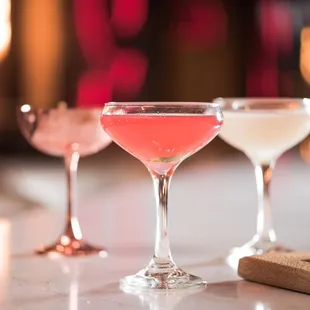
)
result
[(212, 208)]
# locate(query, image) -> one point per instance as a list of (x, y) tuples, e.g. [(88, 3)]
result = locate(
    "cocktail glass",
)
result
[(263, 128), (161, 136), (70, 133)]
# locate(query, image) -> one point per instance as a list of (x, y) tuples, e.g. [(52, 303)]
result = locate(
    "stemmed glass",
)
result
[(161, 135), (70, 133), (263, 128)]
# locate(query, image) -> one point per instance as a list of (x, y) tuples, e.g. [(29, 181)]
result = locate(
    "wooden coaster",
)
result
[(285, 270)]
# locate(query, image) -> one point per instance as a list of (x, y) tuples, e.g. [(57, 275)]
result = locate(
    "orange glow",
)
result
[(304, 150), (41, 51), (305, 53), (5, 27)]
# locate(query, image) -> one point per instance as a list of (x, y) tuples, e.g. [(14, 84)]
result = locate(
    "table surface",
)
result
[(212, 208)]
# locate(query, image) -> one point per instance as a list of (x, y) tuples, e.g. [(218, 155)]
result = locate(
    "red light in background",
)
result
[(276, 28), (200, 23), (275, 38), (94, 89), (129, 17), (128, 71), (94, 31), (285, 28), (113, 70)]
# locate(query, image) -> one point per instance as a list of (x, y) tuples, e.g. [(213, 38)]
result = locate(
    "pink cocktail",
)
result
[(161, 135), (161, 140)]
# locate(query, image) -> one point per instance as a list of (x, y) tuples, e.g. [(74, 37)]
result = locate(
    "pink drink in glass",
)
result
[(159, 140), (161, 135)]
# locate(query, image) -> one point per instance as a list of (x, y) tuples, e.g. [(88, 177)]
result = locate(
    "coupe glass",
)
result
[(263, 128), (161, 136), (70, 133)]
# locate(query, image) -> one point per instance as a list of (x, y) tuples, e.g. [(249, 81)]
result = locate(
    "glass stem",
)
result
[(73, 229), (162, 257), (265, 231)]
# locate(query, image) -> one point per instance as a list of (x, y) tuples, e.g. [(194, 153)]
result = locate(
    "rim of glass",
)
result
[(228, 103), (26, 108), (165, 104), (259, 98)]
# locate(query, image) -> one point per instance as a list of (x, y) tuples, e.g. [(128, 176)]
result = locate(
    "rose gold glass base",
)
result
[(66, 246)]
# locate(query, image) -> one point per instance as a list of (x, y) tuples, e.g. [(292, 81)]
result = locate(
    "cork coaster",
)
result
[(289, 270)]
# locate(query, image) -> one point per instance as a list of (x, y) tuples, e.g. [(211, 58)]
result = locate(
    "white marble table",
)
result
[(212, 208)]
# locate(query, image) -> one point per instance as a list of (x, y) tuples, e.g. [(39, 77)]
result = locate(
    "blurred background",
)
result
[(93, 51), (87, 52)]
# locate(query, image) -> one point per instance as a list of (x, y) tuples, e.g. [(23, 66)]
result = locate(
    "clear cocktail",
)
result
[(264, 128)]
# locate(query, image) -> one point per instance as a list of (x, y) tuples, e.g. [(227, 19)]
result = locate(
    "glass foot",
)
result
[(173, 278), (258, 247), (163, 299), (71, 247), (253, 247)]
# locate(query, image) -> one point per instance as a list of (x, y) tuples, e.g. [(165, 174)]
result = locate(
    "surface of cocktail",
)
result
[(55, 130), (264, 135), (161, 140)]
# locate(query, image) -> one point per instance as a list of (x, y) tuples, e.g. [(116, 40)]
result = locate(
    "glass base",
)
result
[(173, 278), (163, 299), (66, 246), (254, 247)]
